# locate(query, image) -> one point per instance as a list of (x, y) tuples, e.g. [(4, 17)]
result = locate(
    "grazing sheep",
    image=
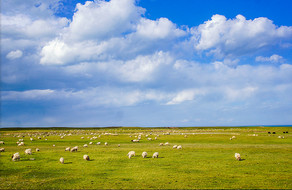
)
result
[(149, 139), (74, 149), (37, 150), (62, 160), (82, 137), (155, 138), (98, 143), (131, 154), (21, 144), (2, 142), (179, 147), (119, 145), (146, 135), (90, 142), (230, 138), (85, 157), (62, 137), (174, 146), (233, 137), (31, 139), (28, 151), (2, 149), (166, 144), (15, 156), (105, 144), (20, 140), (39, 138), (155, 155), (161, 144), (144, 154), (54, 145), (67, 149), (85, 145), (237, 156), (135, 140)]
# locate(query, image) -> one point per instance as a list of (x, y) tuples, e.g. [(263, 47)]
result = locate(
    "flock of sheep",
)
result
[(20, 142)]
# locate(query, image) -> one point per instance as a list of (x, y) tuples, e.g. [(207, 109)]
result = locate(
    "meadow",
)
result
[(206, 160)]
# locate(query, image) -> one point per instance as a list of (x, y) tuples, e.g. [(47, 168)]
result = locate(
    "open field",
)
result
[(206, 160)]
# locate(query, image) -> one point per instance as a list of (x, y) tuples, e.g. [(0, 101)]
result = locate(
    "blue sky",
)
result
[(146, 63)]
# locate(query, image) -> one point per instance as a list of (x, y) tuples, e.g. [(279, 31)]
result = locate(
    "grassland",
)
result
[(206, 160)]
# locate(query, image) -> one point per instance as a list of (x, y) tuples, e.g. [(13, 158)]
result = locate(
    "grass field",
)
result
[(206, 160)]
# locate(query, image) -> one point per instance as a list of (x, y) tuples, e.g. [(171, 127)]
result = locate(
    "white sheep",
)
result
[(62, 137), (105, 144), (62, 160), (20, 140), (15, 156), (21, 144), (67, 149), (90, 142), (85, 145), (174, 146), (179, 147), (98, 143), (85, 157), (166, 144), (155, 138), (28, 151), (2, 149), (37, 150), (119, 145), (82, 137), (155, 155), (131, 154), (144, 154), (54, 145), (233, 137), (31, 139), (74, 149), (2, 142), (161, 144), (149, 139), (237, 156)]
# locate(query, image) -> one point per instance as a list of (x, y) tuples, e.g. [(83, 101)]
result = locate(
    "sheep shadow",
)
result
[(68, 162), (241, 159)]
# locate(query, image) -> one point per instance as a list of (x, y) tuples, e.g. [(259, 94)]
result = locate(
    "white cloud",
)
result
[(185, 95), (159, 29), (14, 54), (273, 58), (101, 19), (229, 37), (27, 95)]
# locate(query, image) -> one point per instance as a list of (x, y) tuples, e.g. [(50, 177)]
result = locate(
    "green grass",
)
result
[(205, 162)]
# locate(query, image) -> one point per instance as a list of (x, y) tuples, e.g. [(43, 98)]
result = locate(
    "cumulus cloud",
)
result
[(185, 95), (229, 37), (273, 58), (14, 54)]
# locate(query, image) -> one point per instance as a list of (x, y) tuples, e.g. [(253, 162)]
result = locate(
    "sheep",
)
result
[(105, 144), (85, 157), (82, 137), (39, 138), (21, 144), (155, 155), (237, 156), (174, 146), (166, 144), (186, 136), (28, 151), (54, 145), (161, 144), (119, 145), (37, 150), (135, 140), (230, 138), (15, 156), (2, 149), (155, 138), (144, 154), (20, 140), (149, 139), (90, 142), (233, 137), (67, 149), (74, 149), (62, 137), (98, 143), (31, 139), (62, 160), (2, 142), (179, 147), (131, 154)]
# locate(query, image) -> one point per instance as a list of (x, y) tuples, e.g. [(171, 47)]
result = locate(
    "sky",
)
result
[(146, 63)]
